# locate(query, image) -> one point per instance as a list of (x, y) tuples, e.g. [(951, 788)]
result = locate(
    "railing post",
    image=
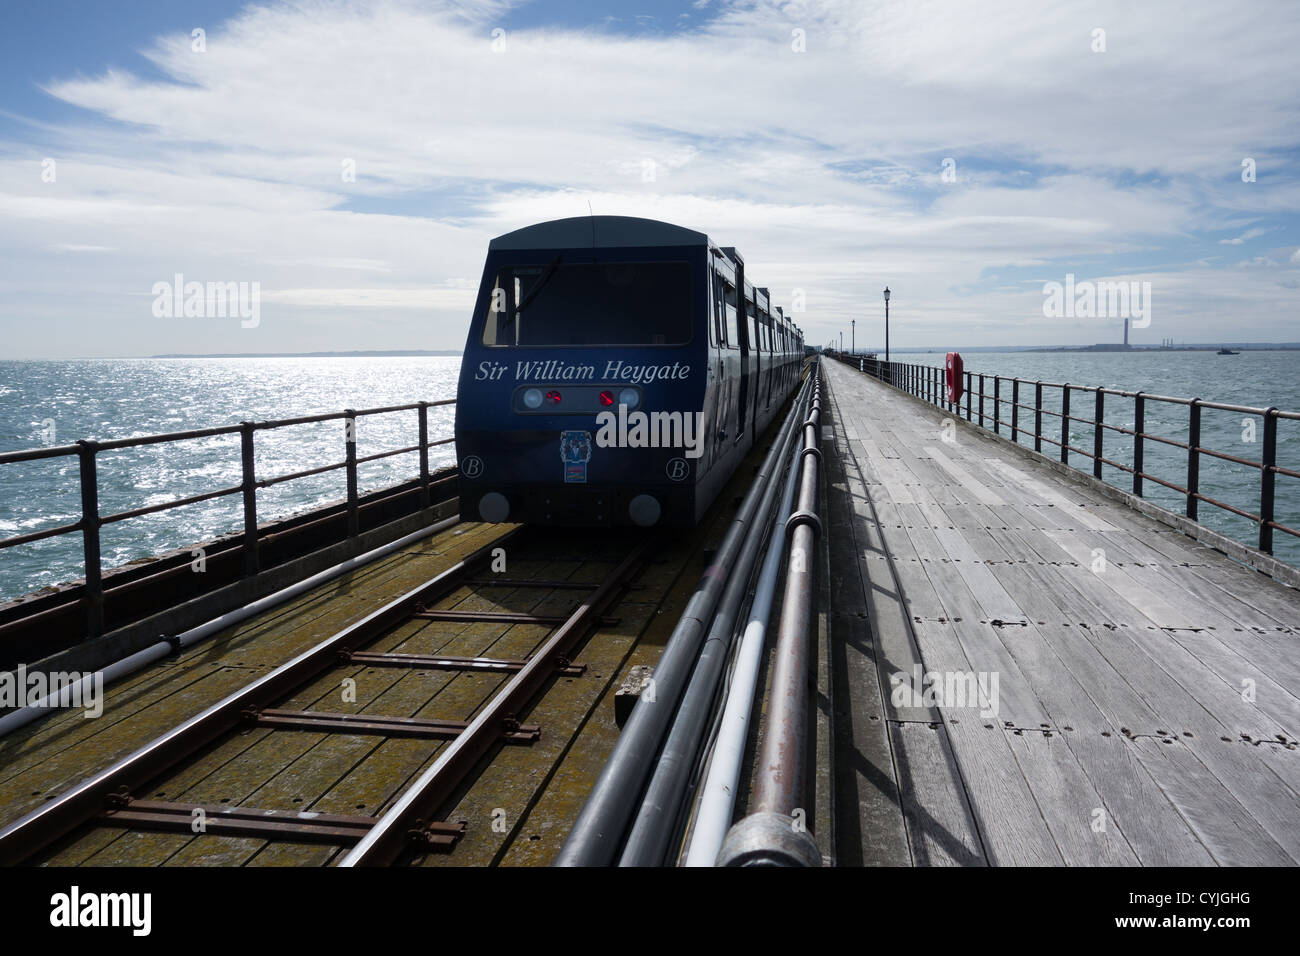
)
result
[(1139, 428), (1038, 416), (1267, 477), (981, 400), (968, 389), (252, 562), (423, 412), (94, 588), (1015, 409), (1193, 457), (1097, 417), (350, 443), (997, 404), (1065, 423)]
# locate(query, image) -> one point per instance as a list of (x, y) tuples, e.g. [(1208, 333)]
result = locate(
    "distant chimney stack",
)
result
[(1125, 333)]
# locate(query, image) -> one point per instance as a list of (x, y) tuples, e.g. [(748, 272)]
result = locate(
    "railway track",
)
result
[(437, 748)]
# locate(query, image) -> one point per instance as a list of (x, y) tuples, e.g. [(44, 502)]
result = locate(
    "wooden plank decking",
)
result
[(1148, 687)]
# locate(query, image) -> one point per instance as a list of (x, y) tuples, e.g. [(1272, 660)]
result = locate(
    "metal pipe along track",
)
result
[(596, 836), (775, 833)]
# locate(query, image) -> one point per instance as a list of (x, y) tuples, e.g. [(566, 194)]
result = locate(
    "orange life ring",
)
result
[(953, 377)]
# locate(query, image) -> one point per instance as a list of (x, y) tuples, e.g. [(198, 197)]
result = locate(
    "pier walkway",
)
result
[(1147, 687)]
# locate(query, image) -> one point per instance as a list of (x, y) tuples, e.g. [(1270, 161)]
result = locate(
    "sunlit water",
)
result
[(60, 402), (106, 399)]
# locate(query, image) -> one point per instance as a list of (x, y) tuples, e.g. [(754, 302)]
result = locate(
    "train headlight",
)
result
[(532, 398), (629, 397), (644, 510)]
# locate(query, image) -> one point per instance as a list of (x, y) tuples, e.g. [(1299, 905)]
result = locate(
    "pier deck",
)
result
[(1148, 686)]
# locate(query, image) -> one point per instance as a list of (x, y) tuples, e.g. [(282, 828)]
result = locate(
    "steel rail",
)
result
[(38, 829), (392, 832)]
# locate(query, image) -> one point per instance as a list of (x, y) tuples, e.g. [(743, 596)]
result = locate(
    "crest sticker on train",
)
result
[(575, 452)]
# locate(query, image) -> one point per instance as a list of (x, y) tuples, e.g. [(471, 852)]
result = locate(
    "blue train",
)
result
[(612, 375)]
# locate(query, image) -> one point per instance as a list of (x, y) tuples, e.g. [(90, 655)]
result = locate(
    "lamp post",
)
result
[(853, 336), (886, 323), (841, 342)]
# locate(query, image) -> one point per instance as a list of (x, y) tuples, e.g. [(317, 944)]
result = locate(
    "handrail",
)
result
[(926, 383), (92, 520)]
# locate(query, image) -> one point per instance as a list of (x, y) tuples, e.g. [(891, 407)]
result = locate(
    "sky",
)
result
[(353, 159)]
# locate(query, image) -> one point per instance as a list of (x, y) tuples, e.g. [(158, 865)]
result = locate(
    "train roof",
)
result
[(602, 232), (608, 232)]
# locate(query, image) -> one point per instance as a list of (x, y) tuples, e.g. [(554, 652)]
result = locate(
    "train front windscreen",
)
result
[(559, 304)]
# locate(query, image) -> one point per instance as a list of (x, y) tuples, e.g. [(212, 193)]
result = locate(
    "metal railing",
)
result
[(91, 520), (927, 382)]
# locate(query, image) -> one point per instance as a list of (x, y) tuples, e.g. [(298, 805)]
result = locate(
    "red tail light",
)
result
[(607, 398), (553, 397)]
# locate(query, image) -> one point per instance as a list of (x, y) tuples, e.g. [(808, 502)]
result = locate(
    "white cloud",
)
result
[(1244, 237), (822, 166)]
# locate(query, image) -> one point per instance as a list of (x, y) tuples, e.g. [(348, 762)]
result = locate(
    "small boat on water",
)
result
[(1227, 352)]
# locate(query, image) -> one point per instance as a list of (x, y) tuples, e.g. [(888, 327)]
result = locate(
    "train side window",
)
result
[(733, 329), (715, 325)]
